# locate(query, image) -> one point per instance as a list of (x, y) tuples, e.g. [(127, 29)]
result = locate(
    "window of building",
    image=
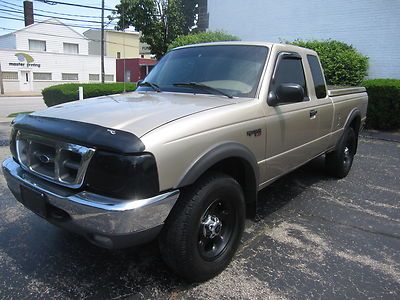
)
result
[(71, 48), (10, 75), (94, 77), (37, 45), (118, 54), (318, 77), (108, 77), (69, 76), (42, 76)]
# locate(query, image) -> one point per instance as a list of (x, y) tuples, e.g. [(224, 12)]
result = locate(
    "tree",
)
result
[(159, 21), (342, 63)]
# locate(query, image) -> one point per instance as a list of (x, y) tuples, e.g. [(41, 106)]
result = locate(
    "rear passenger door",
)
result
[(291, 125)]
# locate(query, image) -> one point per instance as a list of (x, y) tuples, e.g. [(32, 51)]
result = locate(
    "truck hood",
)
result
[(135, 112)]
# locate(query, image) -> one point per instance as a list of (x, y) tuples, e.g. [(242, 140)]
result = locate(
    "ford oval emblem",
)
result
[(44, 158)]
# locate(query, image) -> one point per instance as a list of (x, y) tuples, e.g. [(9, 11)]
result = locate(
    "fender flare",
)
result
[(217, 154), (355, 113), (225, 151)]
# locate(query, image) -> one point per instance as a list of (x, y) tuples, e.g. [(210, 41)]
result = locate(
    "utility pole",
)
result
[(1, 81), (102, 41)]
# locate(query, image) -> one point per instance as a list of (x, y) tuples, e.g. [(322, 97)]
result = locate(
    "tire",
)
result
[(209, 214), (338, 163)]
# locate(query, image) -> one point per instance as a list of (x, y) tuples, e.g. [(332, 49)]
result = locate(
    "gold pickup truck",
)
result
[(183, 158)]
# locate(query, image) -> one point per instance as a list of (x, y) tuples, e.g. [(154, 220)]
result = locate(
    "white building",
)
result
[(372, 26), (48, 53)]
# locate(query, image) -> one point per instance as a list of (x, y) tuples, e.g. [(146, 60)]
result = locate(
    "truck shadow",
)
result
[(67, 265)]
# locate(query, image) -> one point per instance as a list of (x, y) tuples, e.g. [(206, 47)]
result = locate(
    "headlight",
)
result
[(122, 176)]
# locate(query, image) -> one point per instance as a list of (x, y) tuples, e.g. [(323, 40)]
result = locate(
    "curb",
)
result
[(21, 95), (381, 135)]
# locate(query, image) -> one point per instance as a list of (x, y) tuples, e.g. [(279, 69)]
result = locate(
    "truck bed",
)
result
[(340, 90)]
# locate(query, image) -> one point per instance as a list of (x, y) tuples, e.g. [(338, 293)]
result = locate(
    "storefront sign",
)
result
[(25, 60)]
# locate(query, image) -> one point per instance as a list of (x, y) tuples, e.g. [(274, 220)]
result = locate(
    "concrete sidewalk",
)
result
[(22, 94)]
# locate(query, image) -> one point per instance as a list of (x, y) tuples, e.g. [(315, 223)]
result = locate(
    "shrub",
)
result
[(342, 63), (383, 103), (202, 37), (68, 92)]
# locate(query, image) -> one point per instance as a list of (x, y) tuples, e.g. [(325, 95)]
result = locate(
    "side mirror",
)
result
[(139, 82), (286, 93)]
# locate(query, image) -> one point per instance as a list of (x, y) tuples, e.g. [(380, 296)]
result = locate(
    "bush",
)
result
[(202, 37), (383, 104), (342, 63), (68, 92)]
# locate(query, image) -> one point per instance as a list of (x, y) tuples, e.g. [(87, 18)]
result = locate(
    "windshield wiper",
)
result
[(150, 84), (204, 87)]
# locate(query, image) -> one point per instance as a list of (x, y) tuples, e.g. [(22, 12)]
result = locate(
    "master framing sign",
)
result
[(31, 71)]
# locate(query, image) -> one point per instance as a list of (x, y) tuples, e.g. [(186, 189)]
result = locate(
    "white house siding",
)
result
[(372, 26), (54, 63), (8, 41), (54, 35)]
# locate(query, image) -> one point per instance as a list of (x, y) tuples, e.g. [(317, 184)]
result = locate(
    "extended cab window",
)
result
[(289, 70), (318, 77)]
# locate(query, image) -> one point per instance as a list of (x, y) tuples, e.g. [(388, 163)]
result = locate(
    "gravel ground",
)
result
[(314, 237)]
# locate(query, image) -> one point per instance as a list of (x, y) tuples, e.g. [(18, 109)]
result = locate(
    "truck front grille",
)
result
[(60, 162)]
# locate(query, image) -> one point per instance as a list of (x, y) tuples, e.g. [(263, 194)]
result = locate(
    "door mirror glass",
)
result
[(286, 93)]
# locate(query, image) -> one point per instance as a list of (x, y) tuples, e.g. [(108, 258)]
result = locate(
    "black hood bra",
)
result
[(85, 134)]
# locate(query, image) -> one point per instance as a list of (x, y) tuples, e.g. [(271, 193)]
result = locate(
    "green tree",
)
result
[(202, 37), (159, 21), (342, 63)]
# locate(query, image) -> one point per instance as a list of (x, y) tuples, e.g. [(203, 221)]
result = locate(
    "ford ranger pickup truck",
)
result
[(183, 158)]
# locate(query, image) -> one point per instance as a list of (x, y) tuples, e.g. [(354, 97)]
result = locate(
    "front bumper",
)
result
[(107, 222)]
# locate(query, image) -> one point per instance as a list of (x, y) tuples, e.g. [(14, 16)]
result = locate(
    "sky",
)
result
[(16, 6)]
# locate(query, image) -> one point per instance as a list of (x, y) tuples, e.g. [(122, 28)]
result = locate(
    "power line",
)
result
[(45, 22), (7, 5), (74, 4), (62, 18), (63, 14), (10, 3)]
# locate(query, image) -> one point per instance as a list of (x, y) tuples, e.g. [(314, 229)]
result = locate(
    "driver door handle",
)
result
[(313, 113)]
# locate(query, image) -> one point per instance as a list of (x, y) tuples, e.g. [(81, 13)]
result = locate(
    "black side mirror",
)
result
[(286, 93), (139, 82)]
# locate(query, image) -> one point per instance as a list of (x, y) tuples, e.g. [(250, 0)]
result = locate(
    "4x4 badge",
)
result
[(255, 132)]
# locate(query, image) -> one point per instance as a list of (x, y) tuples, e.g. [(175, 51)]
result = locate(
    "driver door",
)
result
[(291, 126)]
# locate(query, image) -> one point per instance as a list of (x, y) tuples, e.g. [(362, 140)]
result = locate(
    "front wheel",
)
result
[(339, 162), (203, 231)]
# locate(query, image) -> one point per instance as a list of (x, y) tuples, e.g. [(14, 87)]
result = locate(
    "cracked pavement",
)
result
[(314, 237)]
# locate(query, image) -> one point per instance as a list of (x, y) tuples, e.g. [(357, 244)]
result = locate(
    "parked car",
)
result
[(182, 158)]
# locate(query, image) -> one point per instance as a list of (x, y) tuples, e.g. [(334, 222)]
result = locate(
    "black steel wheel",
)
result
[(203, 232), (216, 228)]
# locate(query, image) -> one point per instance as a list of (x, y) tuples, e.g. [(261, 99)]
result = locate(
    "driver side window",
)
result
[(290, 71)]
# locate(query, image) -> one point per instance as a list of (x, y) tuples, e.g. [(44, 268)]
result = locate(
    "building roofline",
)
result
[(47, 22), (113, 30)]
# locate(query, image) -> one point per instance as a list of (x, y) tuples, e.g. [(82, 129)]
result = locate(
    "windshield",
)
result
[(232, 69)]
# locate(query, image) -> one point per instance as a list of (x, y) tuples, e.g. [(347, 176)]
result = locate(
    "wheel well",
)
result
[(243, 173)]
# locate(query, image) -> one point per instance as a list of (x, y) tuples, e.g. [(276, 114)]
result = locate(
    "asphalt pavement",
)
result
[(314, 238)]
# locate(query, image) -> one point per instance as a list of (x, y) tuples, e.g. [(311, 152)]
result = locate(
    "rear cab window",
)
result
[(317, 75)]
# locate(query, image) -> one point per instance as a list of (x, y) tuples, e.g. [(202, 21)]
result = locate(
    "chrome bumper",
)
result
[(104, 221)]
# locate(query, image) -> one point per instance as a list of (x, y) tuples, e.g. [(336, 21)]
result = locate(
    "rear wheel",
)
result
[(339, 162), (203, 231)]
